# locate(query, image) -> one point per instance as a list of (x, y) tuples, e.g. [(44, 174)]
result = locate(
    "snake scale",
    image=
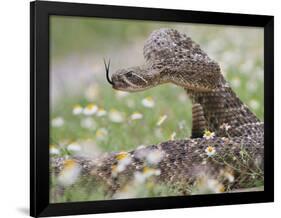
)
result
[(238, 143)]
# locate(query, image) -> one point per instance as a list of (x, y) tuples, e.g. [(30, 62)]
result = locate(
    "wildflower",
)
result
[(124, 159), (215, 186), (236, 82), (54, 150), (121, 155), (161, 120), (229, 176), (90, 109), (208, 134), (151, 172), (57, 122), (148, 102), (141, 177), (70, 173), (254, 104), (210, 150), (121, 166), (101, 112), (136, 116), (225, 126), (173, 135), (92, 92), (116, 116), (101, 133), (74, 147), (88, 123), (121, 94), (154, 156), (205, 184), (141, 152), (77, 109)]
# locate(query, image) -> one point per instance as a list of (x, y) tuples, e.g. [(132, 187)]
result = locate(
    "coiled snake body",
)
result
[(172, 57)]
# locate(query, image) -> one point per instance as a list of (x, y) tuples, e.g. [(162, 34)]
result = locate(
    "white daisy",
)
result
[(101, 112), (208, 134), (124, 159), (254, 104), (151, 171), (70, 173), (74, 147), (121, 94), (210, 151), (148, 102), (229, 177), (116, 116), (154, 156), (215, 186), (57, 122), (54, 150), (101, 133), (141, 177), (90, 109), (136, 116), (77, 109), (88, 123)]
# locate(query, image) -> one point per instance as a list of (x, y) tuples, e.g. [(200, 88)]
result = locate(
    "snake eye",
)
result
[(129, 74)]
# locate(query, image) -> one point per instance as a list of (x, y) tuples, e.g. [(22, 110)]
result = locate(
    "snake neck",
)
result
[(224, 113)]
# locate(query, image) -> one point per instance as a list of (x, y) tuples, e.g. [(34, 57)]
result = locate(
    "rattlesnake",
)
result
[(238, 144)]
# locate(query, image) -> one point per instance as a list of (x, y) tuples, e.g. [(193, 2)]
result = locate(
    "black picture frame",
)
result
[(39, 107)]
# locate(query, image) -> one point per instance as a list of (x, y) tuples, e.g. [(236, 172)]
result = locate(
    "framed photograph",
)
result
[(142, 109)]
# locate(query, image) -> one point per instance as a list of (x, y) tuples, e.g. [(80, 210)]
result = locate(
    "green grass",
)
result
[(130, 133)]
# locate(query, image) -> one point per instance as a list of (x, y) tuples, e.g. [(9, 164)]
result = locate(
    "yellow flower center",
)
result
[(90, 106), (208, 133), (210, 149), (121, 155), (69, 164), (149, 98), (147, 170)]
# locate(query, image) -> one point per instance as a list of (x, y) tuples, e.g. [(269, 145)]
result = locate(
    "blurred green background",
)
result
[(87, 112)]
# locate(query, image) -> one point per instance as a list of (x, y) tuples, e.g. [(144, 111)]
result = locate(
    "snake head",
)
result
[(135, 79)]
